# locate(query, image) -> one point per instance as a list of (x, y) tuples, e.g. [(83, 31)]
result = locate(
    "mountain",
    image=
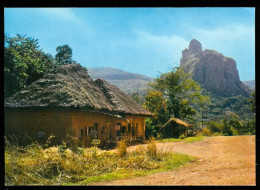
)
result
[(250, 83), (215, 72), (128, 82)]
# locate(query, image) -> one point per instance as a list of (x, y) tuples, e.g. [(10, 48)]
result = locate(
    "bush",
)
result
[(122, 148), (226, 129), (151, 148), (206, 132), (214, 127)]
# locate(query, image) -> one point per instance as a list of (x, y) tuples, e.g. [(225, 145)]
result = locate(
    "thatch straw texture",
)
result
[(70, 87), (178, 121)]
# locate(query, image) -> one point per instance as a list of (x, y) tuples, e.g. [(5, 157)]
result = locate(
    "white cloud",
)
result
[(61, 13), (162, 42), (229, 33)]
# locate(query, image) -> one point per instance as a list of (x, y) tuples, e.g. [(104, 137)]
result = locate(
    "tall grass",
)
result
[(34, 165)]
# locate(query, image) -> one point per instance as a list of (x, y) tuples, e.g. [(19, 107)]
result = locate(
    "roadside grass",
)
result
[(187, 140), (194, 139), (34, 165)]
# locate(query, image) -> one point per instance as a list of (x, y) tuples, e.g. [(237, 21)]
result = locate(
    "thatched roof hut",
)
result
[(175, 127), (67, 101), (178, 121), (70, 87)]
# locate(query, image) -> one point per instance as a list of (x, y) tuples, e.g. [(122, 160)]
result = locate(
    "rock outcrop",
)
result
[(216, 73)]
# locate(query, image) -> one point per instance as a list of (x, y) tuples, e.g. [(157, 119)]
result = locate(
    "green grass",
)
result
[(33, 165), (194, 139), (170, 140), (188, 139)]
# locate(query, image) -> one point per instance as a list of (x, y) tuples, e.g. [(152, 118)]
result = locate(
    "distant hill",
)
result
[(250, 83), (128, 82)]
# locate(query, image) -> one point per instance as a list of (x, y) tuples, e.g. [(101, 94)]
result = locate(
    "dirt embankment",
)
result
[(220, 161)]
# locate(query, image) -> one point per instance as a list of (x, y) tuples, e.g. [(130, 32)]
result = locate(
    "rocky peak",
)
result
[(215, 72), (195, 46)]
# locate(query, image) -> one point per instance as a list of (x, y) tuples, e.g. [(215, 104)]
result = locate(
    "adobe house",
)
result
[(67, 101), (175, 127)]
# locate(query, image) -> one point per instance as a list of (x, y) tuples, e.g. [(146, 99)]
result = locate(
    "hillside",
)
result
[(128, 82), (250, 83)]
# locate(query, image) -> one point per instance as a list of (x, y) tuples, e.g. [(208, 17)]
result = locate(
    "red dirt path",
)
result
[(220, 161)]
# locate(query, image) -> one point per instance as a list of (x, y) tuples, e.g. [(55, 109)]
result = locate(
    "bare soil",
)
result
[(219, 161)]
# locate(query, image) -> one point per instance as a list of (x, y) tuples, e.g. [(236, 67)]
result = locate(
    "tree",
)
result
[(24, 62), (136, 96), (155, 103), (252, 102), (64, 55), (183, 95)]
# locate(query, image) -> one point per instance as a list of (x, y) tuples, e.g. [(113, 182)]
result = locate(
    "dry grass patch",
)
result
[(33, 165)]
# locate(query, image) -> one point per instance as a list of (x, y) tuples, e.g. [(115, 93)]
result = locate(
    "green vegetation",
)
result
[(194, 139), (64, 55), (175, 94), (25, 62), (188, 139), (34, 165)]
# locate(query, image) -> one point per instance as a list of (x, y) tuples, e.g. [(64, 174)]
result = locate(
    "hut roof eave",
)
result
[(178, 121)]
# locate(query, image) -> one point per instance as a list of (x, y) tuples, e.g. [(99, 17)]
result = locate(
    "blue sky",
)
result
[(140, 40)]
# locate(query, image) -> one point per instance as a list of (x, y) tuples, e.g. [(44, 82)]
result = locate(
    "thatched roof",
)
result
[(178, 121), (70, 87)]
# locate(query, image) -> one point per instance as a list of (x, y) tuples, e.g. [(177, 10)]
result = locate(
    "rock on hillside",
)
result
[(128, 82), (215, 72)]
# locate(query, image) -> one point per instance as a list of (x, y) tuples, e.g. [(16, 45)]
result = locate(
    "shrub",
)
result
[(122, 148), (214, 127), (226, 129), (151, 148), (95, 143), (206, 132)]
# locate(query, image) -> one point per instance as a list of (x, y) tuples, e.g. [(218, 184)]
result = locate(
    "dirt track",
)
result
[(220, 161)]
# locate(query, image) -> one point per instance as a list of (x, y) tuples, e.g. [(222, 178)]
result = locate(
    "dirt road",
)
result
[(220, 161)]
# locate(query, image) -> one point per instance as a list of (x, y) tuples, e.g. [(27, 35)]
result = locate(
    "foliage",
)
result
[(95, 143), (64, 55), (206, 132), (156, 103), (226, 129), (150, 128), (181, 92), (237, 104), (251, 100), (24, 62), (122, 148), (214, 127), (137, 97), (175, 94), (33, 165)]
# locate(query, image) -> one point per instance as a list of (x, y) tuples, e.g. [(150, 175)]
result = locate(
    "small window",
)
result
[(102, 130), (81, 132), (123, 129), (129, 128), (89, 130), (96, 127)]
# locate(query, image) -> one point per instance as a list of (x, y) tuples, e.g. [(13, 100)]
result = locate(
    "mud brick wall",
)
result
[(61, 123), (29, 122)]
